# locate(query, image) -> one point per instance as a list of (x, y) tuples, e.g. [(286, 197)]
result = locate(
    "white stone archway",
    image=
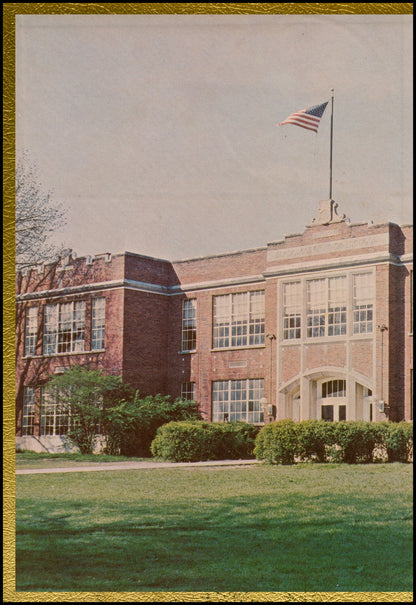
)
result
[(329, 393)]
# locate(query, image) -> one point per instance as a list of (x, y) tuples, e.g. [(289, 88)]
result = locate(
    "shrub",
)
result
[(277, 442), (183, 442), (234, 440), (398, 439), (196, 441), (356, 440), (146, 416), (315, 439)]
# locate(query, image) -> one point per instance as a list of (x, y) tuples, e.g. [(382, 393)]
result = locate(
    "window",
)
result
[(188, 391), (363, 303), (292, 308), (327, 307), (98, 324), (64, 328), (189, 325), (54, 416), (334, 388), (31, 328), (28, 416), (238, 400), (238, 320)]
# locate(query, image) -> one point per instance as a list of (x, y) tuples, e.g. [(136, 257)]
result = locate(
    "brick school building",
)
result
[(316, 325)]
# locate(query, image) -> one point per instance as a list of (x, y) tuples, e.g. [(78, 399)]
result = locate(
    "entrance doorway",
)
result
[(333, 400)]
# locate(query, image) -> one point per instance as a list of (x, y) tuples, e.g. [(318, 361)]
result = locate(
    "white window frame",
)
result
[(188, 391), (333, 393), (238, 400), (55, 418), (238, 320), (31, 330), (188, 338), (64, 328), (326, 309), (28, 411), (363, 304), (98, 306), (292, 310)]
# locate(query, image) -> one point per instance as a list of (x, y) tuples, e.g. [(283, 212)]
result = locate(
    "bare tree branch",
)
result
[(37, 217)]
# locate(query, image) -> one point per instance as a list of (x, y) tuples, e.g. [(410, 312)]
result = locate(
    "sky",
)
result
[(159, 133)]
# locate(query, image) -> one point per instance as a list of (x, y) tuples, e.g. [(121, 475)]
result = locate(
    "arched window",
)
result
[(334, 388), (331, 410)]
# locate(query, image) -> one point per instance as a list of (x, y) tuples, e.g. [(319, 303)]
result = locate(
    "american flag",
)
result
[(307, 118)]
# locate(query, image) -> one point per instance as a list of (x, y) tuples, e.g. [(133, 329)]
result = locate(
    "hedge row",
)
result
[(195, 441), (286, 441)]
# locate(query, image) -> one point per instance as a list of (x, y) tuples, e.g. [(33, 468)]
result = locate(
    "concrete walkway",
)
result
[(134, 465)]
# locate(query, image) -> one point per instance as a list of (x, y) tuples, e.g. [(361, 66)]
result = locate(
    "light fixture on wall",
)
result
[(381, 404), (268, 409)]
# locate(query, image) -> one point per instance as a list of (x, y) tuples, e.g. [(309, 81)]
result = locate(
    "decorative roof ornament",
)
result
[(328, 214)]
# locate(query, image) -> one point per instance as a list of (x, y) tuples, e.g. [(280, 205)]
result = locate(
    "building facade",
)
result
[(317, 325)]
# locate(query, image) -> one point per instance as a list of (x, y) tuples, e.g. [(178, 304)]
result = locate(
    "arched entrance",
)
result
[(332, 400), (330, 394)]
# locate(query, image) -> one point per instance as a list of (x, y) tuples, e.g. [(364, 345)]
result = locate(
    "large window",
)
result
[(28, 416), (238, 320), (31, 329), (238, 400), (188, 391), (292, 309), (189, 325), (98, 324), (326, 312), (328, 304), (363, 303), (54, 416), (64, 328), (333, 410)]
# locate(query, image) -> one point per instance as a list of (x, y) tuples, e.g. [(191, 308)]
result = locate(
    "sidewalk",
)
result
[(134, 465)]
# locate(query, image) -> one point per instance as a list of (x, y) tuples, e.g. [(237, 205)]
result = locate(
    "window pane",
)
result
[(55, 418), (189, 325), (327, 412), (363, 294), (98, 324), (28, 416), (188, 391), (50, 329), (292, 306), (316, 307), (238, 400), (31, 328)]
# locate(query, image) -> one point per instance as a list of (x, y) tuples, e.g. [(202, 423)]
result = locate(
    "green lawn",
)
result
[(30, 459), (307, 528)]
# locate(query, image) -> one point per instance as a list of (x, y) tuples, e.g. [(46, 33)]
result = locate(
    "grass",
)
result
[(307, 528), (29, 459)]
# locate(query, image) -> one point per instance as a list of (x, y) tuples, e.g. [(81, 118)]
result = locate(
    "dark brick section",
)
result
[(143, 319)]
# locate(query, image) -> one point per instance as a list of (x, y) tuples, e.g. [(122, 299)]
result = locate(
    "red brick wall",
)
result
[(290, 363), (362, 357), (238, 264), (146, 327), (326, 354)]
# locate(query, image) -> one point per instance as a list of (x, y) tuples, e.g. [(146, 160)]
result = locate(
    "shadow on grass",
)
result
[(250, 543)]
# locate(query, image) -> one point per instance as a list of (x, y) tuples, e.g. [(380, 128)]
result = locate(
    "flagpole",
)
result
[(330, 144)]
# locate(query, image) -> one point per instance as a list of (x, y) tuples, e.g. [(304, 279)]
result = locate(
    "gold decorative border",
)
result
[(10, 10)]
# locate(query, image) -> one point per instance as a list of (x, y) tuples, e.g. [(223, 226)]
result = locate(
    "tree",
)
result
[(37, 217), (87, 396), (146, 415)]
